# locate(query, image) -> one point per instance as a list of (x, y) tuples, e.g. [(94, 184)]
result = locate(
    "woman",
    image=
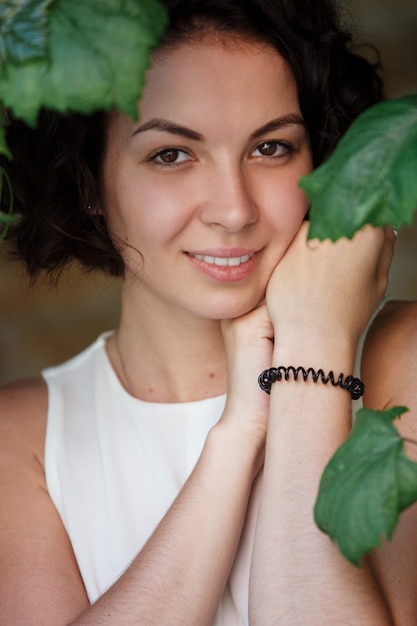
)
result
[(131, 486)]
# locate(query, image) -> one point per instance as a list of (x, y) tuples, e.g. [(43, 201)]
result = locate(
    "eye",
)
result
[(271, 149), (170, 156)]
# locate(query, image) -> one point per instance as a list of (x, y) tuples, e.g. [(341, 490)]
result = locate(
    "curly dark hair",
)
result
[(56, 167)]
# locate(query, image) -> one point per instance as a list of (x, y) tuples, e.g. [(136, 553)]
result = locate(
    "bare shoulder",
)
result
[(25, 390), (395, 326), (38, 573), (23, 410), (389, 364)]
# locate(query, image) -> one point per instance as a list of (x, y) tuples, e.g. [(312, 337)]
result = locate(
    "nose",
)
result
[(229, 200)]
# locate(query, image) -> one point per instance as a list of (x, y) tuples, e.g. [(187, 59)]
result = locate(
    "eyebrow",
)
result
[(168, 127), (176, 129), (277, 123)]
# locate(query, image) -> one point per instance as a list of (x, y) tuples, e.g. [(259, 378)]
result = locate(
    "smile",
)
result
[(234, 261)]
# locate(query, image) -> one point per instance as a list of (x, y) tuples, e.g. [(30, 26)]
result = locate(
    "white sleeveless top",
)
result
[(114, 464)]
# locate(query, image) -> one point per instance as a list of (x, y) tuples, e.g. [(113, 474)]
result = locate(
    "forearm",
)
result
[(180, 575), (298, 575)]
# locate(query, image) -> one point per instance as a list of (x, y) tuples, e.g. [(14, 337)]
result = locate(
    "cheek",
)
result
[(158, 215), (287, 208), (146, 211)]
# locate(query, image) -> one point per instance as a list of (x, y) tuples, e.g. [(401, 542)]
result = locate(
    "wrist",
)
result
[(241, 445), (314, 364), (337, 354), (347, 382)]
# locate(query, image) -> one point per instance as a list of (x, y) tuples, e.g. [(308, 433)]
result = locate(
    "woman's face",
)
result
[(203, 189)]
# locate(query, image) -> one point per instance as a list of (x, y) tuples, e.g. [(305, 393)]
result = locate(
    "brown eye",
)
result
[(169, 156), (272, 149), (268, 148)]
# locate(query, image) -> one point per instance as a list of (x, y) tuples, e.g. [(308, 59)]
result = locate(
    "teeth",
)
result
[(218, 260)]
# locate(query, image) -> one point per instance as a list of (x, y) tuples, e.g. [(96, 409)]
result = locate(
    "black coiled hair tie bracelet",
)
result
[(274, 374)]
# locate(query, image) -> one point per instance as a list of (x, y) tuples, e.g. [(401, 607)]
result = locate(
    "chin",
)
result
[(231, 309)]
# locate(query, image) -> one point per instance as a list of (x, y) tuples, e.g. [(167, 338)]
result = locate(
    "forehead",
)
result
[(218, 85)]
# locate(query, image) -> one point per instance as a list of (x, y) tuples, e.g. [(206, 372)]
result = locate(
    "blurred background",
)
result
[(41, 326)]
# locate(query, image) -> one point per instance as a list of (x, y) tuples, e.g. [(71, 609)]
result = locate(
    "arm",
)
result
[(178, 577), (39, 578), (389, 369), (319, 298)]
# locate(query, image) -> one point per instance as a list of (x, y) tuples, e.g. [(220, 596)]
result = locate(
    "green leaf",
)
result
[(371, 178), (23, 30), (98, 52), (366, 485)]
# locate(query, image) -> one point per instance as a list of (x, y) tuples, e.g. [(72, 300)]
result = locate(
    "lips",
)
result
[(223, 265), (232, 261)]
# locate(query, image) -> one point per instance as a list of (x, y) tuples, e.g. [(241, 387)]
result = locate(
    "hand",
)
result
[(329, 289), (248, 343)]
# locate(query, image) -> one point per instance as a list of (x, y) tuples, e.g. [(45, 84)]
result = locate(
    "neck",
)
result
[(168, 356)]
